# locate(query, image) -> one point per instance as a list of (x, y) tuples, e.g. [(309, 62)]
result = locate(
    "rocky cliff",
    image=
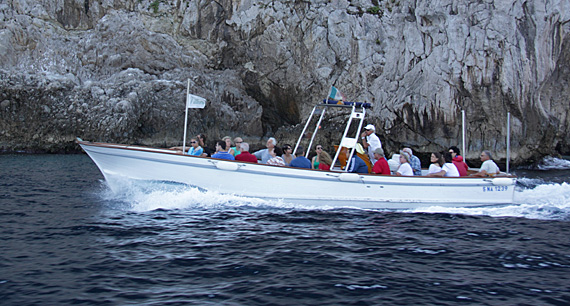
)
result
[(117, 70)]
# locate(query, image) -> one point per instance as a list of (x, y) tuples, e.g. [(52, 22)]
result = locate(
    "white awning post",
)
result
[(463, 147), (186, 117), (508, 140), (315, 133), (192, 101)]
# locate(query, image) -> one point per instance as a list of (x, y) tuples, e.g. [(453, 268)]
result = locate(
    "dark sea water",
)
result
[(66, 238)]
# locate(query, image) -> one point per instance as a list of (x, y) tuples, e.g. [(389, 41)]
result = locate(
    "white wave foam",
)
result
[(545, 202), (553, 163), (141, 196)]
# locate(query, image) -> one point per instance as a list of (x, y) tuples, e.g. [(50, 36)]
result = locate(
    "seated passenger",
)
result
[(287, 154), (221, 151), (264, 154), (448, 169), (436, 163), (315, 161), (325, 160), (414, 161), (237, 149), (300, 160), (458, 161), (202, 142), (405, 169), (357, 165), (245, 155), (276, 159), (381, 166), (488, 168)]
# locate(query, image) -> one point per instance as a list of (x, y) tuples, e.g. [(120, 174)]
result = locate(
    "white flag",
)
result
[(193, 101)]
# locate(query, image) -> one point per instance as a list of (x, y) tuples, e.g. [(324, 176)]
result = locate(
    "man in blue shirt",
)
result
[(301, 161), (222, 151), (357, 165)]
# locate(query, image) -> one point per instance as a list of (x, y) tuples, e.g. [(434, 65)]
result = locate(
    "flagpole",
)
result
[(186, 117)]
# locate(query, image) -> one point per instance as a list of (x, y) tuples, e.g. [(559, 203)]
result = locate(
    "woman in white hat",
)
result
[(405, 169)]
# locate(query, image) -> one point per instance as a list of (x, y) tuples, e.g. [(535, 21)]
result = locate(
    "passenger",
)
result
[(300, 160), (488, 168), (315, 161), (357, 165), (195, 148), (202, 141), (381, 166), (437, 162), (245, 155), (264, 154), (415, 162), (405, 168), (237, 149), (370, 141), (325, 160), (276, 159), (287, 154), (228, 141), (458, 161), (221, 152), (448, 169)]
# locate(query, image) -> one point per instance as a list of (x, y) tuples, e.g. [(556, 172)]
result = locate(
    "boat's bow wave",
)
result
[(140, 196), (544, 201)]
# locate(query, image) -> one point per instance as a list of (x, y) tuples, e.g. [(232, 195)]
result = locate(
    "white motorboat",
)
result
[(335, 188)]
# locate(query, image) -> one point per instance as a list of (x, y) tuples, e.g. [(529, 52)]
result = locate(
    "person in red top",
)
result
[(381, 166), (245, 156), (458, 161)]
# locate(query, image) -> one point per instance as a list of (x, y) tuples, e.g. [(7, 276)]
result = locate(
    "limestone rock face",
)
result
[(117, 71)]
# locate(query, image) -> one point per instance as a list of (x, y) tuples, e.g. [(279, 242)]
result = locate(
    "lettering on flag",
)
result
[(193, 101)]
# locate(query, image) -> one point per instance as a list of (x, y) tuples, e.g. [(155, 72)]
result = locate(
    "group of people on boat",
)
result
[(368, 158)]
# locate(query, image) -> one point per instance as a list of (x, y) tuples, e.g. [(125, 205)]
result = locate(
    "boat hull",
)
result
[(294, 185)]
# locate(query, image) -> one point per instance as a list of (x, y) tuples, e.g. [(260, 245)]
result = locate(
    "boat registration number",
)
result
[(495, 188)]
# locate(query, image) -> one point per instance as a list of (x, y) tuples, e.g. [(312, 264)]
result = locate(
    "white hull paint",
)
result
[(294, 185)]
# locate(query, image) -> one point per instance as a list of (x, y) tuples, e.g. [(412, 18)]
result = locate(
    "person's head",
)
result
[(325, 158), (238, 141), (447, 157), (409, 151), (220, 146), (369, 129), (276, 151), (454, 151), (194, 142), (202, 139), (228, 141), (404, 157), (244, 147), (287, 149), (300, 151), (271, 142), (318, 149), (378, 153), (486, 155), (437, 158)]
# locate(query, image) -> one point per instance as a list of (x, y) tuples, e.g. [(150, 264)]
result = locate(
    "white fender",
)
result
[(222, 165), (349, 177), (502, 181)]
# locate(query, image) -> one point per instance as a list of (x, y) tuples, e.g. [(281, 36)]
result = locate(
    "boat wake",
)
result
[(544, 202)]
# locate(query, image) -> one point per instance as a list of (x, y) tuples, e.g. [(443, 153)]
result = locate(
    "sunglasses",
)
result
[(238, 141), (193, 141), (319, 148)]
